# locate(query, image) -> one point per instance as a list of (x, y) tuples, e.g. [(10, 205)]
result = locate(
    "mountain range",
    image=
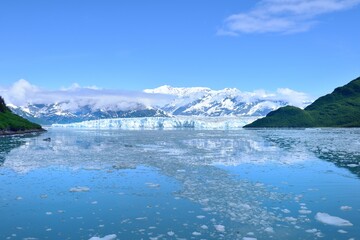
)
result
[(195, 101)]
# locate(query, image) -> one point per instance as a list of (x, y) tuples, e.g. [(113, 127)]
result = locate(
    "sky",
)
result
[(310, 46)]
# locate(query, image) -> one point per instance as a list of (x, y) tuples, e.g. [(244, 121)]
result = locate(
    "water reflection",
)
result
[(339, 146), (192, 158), (8, 143)]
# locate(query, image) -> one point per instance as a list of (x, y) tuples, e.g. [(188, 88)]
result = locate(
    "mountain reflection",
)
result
[(339, 146), (8, 143)]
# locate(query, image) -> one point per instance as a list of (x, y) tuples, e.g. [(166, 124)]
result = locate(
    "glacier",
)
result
[(180, 122)]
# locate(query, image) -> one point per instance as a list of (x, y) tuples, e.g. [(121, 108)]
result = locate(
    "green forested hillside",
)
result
[(12, 123), (341, 108)]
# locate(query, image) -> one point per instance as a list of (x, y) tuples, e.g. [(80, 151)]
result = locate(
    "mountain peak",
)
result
[(3, 107), (177, 91)]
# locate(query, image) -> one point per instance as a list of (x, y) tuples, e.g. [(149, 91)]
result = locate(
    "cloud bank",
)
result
[(22, 93), (282, 16)]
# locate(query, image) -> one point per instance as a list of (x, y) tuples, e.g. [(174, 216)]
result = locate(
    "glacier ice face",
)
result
[(219, 123)]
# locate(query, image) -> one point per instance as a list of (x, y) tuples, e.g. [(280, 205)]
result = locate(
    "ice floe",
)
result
[(332, 220), (305, 211), (107, 237), (345, 208), (220, 228), (269, 230), (79, 189)]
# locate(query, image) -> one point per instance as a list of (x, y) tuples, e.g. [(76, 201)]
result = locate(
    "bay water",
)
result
[(181, 184)]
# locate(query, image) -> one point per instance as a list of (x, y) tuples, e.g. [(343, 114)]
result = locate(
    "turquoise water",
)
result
[(182, 184)]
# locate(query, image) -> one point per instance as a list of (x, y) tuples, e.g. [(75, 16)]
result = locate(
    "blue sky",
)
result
[(309, 46)]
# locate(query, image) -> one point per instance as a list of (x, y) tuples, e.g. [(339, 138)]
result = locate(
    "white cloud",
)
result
[(283, 16), (294, 98), (185, 96), (72, 98), (22, 92)]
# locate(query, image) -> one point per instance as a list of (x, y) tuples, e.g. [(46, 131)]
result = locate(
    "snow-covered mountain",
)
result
[(92, 104), (59, 113), (199, 101)]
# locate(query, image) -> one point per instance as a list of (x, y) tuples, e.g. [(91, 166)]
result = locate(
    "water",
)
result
[(181, 184)]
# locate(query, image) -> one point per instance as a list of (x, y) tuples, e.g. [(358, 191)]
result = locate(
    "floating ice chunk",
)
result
[(304, 211), (196, 233), (204, 227), (153, 185), (157, 237), (200, 216), (352, 165), (269, 230), (285, 210), (171, 233), (245, 206), (48, 213), (79, 189), (220, 228), (19, 198), (290, 219), (249, 238), (206, 209), (315, 231), (107, 237), (342, 231), (345, 208), (332, 220)]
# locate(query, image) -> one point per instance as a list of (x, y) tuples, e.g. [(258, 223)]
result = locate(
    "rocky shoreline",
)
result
[(9, 133)]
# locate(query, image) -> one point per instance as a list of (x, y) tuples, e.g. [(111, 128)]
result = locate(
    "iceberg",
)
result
[(211, 123)]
